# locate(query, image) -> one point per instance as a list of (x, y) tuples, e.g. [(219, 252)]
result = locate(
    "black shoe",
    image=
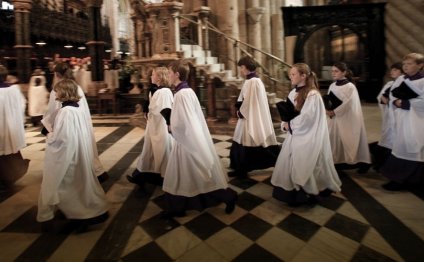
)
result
[(48, 226), (103, 177), (230, 207), (325, 193), (312, 201), (393, 186)]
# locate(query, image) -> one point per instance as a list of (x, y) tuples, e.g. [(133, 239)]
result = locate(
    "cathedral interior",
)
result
[(114, 44)]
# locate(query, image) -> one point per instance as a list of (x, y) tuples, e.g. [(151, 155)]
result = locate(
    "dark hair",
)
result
[(64, 70), (248, 62), (3, 73), (343, 67), (311, 83), (181, 68), (398, 66)]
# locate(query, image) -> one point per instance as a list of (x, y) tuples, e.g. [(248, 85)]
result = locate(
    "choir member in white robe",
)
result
[(38, 98), (405, 166), (305, 167), (346, 123), (63, 71), (382, 150), (254, 143), (194, 177), (158, 141), (12, 132), (69, 180)]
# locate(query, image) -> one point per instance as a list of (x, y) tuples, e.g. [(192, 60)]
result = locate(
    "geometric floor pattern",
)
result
[(362, 223)]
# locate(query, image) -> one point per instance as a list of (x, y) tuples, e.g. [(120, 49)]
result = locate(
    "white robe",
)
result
[(69, 181), (50, 115), (38, 97), (12, 108), (347, 129), (409, 125), (387, 117), (305, 160), (256, 128), (157, 141), (193, 167)]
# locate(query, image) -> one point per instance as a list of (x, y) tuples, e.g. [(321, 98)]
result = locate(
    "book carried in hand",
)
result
[(403, 91), (286, 110), (331, 101)]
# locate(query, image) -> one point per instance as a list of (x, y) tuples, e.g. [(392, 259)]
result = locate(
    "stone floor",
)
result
[(362, 223)]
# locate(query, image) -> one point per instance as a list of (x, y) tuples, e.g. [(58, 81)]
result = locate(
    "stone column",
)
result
[(266, 34), (227, 18), (22, 38), (165, 29), (211, 101), (203, 32), (95, 47), (254, 27)]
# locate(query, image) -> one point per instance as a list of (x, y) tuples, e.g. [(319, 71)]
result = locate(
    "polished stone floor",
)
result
[(362, 223)]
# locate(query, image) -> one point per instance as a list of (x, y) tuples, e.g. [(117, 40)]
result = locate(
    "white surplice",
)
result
[(193, 167), (347, 129), (409, 124), (38, 97), (305, 160), (69, 180), (12, 108), (50, 115), (256, 128), (157, 140), (387, 116)]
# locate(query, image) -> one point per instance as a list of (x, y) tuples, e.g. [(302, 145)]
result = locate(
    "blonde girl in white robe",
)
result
[(69, 180), (305, 167), (63, 71), (151, 165), (348, 136)]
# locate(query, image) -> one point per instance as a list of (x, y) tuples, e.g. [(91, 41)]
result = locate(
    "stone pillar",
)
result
[(22, 38), (95, 47), (266, 34), (254, 27), (227, 18), (165, 29), (203, 32), (211, 101)]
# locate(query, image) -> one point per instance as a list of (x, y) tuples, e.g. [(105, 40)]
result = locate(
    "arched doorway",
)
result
[(354, 33)]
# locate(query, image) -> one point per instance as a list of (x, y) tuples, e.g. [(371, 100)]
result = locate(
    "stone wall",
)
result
[(404, 29)]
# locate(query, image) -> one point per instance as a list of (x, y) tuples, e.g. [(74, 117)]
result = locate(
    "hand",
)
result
[(284, 126), (384, 100), (330, 113), (398, 103)]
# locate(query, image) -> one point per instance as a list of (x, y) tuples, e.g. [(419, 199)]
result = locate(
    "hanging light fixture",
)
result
[(40, 43), (81, 47), (68, 46)]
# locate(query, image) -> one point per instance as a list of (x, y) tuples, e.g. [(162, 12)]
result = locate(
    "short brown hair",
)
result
[(181, 68), (248, 62), (67, 90)]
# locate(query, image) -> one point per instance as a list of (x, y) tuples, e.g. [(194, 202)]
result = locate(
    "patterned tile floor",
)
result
[(362, 223)]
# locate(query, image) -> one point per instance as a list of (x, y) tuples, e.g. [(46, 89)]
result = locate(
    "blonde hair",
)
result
[(311, 83), (163, 76), (67, 90), (417, 57)]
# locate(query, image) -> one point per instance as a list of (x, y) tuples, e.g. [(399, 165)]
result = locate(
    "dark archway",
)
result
[(364, 20)]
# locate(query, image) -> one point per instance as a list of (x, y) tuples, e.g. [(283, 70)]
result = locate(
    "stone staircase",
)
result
[(202, 59)]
